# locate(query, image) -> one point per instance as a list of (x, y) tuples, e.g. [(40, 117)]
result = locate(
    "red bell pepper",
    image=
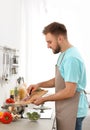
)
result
[(6, 118)]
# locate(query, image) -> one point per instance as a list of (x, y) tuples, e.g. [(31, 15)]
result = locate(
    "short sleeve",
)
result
[(72, 70)]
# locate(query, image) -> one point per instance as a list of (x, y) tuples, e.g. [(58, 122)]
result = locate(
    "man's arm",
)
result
[(67, 92), (47, 84)]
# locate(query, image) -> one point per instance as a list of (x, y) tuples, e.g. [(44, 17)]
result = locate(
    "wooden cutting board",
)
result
[(36, 94)]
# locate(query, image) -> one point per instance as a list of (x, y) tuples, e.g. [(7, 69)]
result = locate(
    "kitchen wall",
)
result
[(10, 23), (38, 56), (10, 36)]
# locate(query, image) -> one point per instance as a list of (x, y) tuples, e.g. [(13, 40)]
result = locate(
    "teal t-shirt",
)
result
[(72, 69)]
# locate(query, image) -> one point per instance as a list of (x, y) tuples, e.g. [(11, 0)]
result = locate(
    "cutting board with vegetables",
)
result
[(36, 94)]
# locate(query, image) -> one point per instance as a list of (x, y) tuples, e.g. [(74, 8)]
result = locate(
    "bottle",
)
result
[(16, 94), (12, 93), (21, 88)]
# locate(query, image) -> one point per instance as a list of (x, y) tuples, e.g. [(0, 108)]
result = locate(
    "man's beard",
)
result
[(57, 50)]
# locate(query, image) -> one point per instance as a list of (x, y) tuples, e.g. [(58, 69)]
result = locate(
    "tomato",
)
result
[(10, 100)]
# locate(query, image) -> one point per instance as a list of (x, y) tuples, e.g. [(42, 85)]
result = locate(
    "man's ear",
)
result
[(60, 38)]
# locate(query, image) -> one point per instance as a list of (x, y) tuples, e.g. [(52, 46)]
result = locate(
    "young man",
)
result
[(69, 81)]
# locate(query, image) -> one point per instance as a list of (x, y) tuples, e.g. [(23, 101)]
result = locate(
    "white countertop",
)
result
[(26, 124)]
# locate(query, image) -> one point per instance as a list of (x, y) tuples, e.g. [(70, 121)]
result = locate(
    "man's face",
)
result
[(52, 43)]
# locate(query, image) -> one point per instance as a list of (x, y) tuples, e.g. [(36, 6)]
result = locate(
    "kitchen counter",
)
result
[(26, 124)]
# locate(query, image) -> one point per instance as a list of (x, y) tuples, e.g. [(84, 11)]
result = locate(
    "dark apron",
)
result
[(66, 110)]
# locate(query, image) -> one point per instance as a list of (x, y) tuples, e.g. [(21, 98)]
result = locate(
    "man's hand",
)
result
[(38, 101), (32, 88)]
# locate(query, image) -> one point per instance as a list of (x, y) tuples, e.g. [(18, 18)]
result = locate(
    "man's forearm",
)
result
[(68, 92), (47, 84)]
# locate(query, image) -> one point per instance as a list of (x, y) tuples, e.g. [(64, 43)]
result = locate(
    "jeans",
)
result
[(79, 123)]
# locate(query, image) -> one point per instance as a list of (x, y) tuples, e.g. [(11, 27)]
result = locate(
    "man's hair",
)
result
[(55, 28)]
